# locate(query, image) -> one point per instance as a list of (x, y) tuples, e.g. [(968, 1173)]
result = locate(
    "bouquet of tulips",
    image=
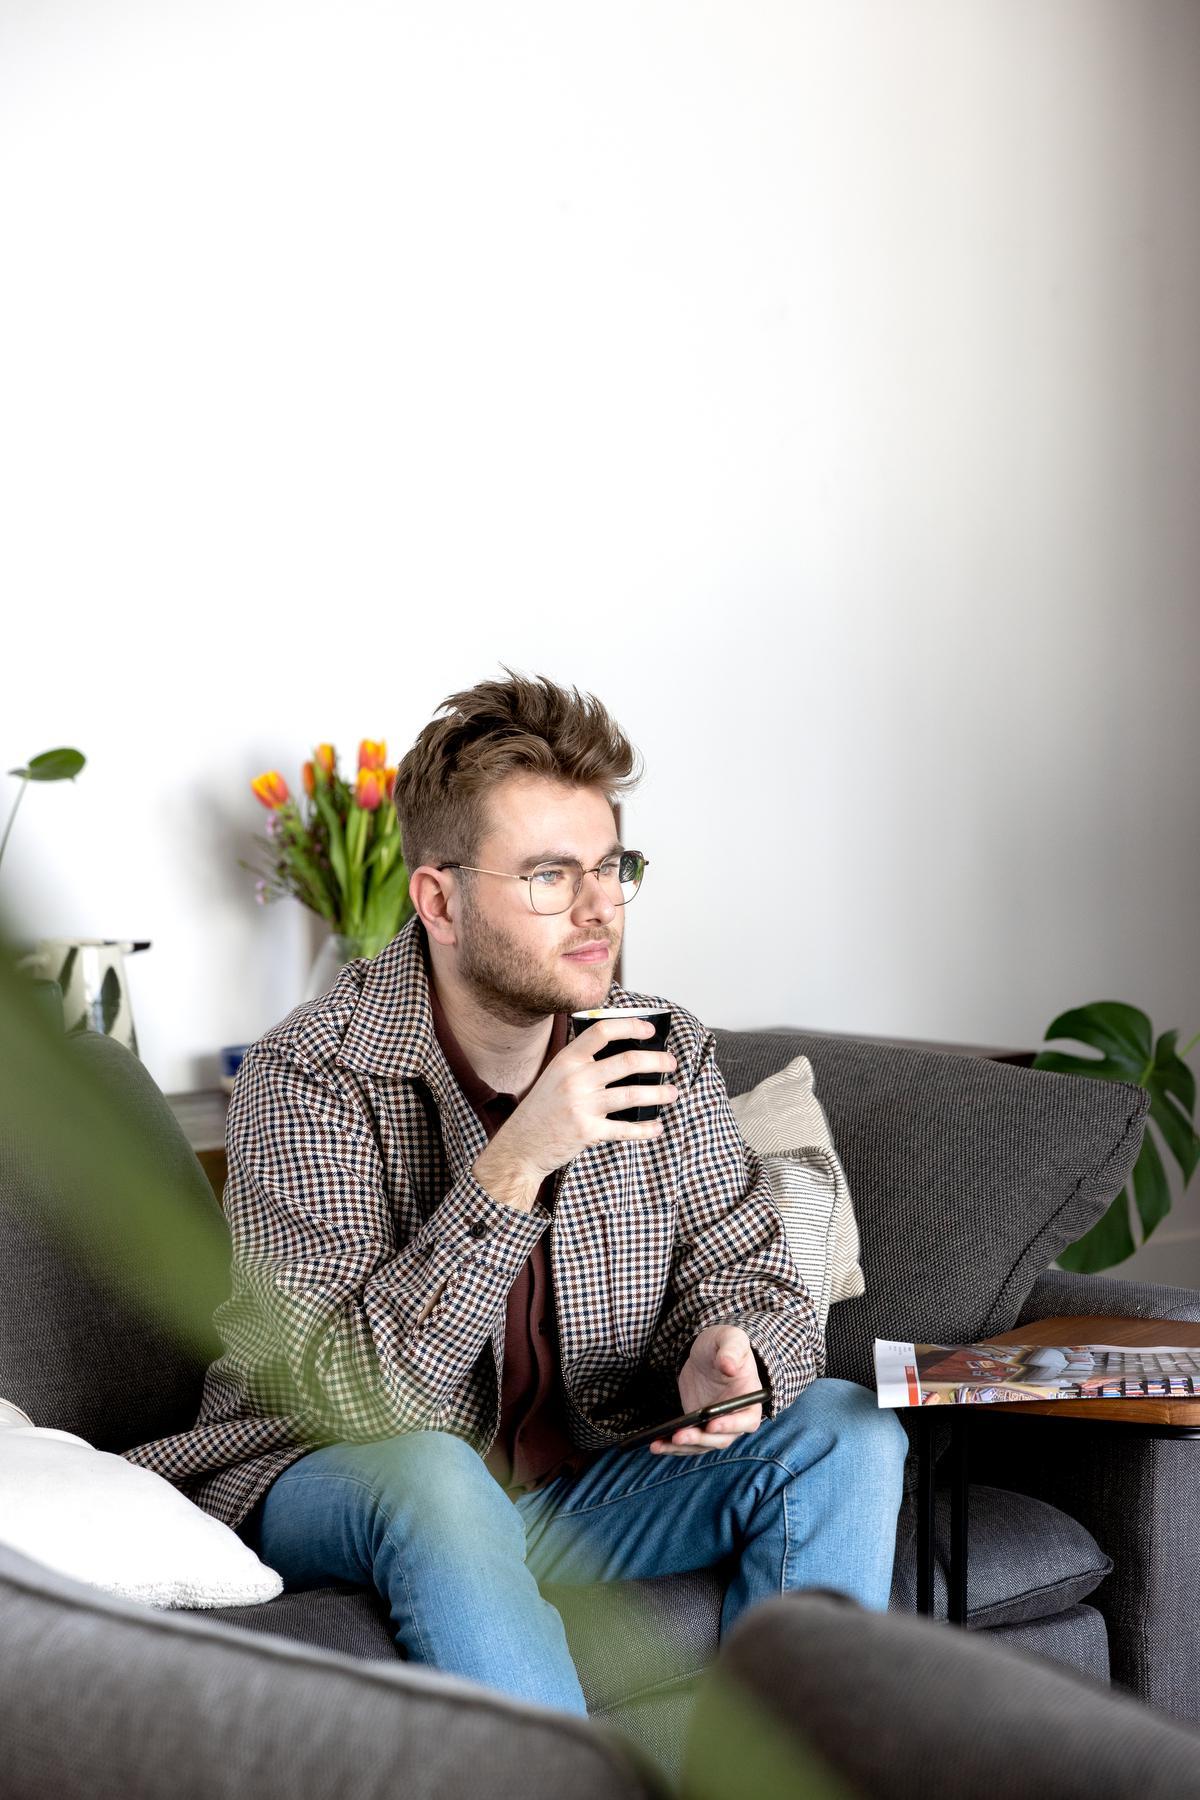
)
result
[(338, 852)]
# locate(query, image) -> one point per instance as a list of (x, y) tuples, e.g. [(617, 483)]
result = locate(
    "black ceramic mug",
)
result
[(660, 1018)]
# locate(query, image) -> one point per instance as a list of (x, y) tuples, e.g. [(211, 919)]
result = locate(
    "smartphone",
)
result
[(693, 1418)]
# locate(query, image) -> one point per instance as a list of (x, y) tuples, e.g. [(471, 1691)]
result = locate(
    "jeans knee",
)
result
[(854, 1423), (440, 1481)]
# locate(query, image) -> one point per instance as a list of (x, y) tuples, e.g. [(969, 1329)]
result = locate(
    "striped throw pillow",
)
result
[(782, 1121)]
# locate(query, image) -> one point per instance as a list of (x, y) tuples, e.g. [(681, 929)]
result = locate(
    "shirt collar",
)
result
[(391, 1031)]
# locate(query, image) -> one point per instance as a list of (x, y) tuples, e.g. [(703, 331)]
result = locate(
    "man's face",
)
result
[(519, 963)]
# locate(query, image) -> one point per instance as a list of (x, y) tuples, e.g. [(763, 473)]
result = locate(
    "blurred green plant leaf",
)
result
[(1124, 1037), (146, 1228), (53, 765)]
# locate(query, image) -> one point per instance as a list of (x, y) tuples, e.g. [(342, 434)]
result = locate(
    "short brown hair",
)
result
[(489, 732)]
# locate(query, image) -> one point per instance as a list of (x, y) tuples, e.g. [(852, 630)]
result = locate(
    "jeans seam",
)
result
[(579, 1512)]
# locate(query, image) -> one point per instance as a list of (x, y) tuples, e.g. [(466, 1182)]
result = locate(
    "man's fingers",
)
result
[(716, 1436)]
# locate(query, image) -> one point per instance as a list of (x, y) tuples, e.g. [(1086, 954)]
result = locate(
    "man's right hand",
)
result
[(568, 1108)]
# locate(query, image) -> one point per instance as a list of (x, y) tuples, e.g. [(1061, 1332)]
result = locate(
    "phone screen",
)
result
[(701, 1417)]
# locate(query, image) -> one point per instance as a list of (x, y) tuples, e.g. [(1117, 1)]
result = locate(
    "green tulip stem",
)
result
[(12, 815)]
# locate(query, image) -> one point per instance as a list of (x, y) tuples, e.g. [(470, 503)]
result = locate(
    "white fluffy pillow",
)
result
[(782, 1121), (122, 1528)]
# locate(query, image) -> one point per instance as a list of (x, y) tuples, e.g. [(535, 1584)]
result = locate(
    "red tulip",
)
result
[(372, 755), (307, 776), (271, 789), (389, 781), (368, 790)]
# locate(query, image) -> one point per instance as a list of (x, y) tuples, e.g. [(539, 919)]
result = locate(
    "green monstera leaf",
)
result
[(1124, 1037)]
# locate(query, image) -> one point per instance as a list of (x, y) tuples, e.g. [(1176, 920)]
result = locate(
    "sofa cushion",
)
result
[(628, 1638), (102, 1520), (969, 1176), (782, 1121), (1026, 1560)]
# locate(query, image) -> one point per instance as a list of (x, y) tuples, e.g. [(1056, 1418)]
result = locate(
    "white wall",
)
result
[(816, 380)]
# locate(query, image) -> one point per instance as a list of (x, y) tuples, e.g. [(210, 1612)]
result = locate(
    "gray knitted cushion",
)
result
[(968, 1176), (1026, 1560)]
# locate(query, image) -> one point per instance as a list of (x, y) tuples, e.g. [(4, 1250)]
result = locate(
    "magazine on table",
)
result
[(974, 1374)]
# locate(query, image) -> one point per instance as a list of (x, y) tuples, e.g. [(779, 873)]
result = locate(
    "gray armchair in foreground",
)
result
[(891, 1708)]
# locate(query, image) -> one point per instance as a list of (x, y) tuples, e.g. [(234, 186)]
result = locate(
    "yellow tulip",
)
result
[(271, 789), (368, 790)]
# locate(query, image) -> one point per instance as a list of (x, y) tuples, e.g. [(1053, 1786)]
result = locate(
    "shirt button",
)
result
[(477, 1229)]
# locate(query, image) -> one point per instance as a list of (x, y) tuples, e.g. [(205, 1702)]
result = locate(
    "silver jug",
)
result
[(91, 974)]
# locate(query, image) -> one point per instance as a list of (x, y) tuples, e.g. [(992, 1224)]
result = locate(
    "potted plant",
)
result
[(1129, 1051)]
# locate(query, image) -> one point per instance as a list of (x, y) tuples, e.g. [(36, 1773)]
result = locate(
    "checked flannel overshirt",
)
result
[(371, 1269)]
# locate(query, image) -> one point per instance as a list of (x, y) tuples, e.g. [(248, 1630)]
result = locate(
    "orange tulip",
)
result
[(325, 757), (307, 776), (271, 789), (368, 790), (389, 781), (372, 755)]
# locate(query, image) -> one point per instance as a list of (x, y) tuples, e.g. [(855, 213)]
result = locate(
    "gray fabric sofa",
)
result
[(810, 1691), (809, 1696), (968, 1177)]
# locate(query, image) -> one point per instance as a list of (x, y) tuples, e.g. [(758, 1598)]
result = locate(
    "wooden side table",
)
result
[(1146, 1416), (202, 1116)]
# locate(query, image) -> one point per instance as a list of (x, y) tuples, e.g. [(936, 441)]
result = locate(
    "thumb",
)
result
[(730, 1350)]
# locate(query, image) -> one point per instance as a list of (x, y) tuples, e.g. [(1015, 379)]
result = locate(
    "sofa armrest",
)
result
[(1060, 1291), (810, 1685), (101, 1696), (1136, 1494)]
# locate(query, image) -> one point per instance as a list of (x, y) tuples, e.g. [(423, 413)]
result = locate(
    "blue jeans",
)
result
[(808, 1500)]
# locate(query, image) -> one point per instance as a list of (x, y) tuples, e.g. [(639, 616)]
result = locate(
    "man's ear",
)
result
[(433, 895)]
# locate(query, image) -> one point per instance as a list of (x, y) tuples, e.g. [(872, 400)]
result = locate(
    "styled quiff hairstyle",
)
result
[(487, 733)]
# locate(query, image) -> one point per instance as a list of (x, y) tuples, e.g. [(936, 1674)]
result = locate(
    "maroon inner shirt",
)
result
[(533, 1445)]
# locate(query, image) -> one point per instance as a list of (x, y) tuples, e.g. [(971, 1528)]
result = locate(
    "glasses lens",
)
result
[(553, 886), (632, 868)]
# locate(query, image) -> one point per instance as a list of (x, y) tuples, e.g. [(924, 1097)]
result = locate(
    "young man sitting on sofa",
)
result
[(457, 1278)]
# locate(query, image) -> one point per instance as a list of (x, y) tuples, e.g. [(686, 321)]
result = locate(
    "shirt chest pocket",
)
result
[(637, 1261)]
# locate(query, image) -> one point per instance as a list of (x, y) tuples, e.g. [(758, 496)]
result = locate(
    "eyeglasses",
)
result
[(552, 886)]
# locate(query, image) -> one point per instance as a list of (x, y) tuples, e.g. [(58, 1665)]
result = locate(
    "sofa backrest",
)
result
[(967, 1176), (83, 1342)]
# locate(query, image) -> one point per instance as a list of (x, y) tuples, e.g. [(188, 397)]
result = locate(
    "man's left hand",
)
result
[(720, 1367)]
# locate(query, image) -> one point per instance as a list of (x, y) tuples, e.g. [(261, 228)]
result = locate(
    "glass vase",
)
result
[(332, 956)]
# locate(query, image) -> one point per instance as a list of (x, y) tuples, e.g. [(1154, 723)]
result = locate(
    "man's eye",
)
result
[(548, 877), (610, 871)]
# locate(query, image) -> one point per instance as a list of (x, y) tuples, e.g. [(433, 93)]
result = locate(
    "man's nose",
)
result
[(591, 902)]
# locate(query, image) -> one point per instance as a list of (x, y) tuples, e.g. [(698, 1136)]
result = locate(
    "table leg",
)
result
[(956, 1575), (925, 1461)]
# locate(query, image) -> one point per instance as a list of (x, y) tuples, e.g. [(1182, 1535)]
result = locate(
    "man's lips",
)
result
[(596, 952)]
